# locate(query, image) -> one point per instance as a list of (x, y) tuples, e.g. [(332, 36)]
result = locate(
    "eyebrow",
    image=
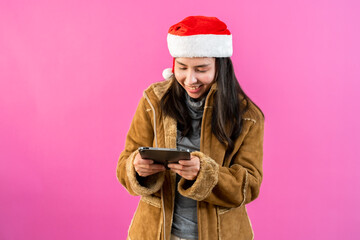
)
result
[(199, 66)]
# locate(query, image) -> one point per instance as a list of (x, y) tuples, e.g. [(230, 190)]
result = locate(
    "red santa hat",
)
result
[(198, 36)]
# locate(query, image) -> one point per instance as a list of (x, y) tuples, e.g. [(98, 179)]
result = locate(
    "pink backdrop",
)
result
[(71, 75)]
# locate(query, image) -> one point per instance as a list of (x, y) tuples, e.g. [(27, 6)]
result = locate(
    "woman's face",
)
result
[(195, 75)]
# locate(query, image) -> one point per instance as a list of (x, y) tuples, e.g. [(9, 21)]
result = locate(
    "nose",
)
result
[(190, 77)]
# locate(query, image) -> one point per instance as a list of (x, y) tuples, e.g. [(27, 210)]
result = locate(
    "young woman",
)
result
[(200, 107)]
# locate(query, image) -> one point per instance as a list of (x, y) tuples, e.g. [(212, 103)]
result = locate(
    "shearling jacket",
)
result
[(225, 183)]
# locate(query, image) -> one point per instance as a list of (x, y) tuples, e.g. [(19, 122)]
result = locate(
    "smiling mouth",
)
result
[(193, 87)]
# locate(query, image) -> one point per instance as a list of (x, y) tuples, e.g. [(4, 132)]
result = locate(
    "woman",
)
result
[(200, 107)]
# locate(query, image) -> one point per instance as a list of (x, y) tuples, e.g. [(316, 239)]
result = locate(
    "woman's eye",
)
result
[(181, 68), (201, 71)]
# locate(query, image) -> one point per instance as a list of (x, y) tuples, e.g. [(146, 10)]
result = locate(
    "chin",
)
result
[(195, 95)]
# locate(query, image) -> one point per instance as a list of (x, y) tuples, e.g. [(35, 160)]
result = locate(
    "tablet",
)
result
[(164, 155)]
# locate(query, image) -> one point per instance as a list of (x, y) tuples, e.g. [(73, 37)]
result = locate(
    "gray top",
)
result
[(185, 211)]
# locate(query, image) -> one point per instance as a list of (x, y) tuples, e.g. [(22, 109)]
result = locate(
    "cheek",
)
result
[(209, 78), (179, 77)]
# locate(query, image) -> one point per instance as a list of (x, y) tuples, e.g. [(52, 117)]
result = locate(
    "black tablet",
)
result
[(164, 155)]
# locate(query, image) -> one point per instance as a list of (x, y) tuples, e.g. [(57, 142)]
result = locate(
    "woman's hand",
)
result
[(146, 167), (188, 169)]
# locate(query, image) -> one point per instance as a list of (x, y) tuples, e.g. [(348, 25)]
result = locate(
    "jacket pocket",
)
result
[(146, 223), (152, 200), (234, 222)]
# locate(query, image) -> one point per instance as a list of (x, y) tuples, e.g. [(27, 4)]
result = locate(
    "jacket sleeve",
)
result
[(235, 185), (140, 134)]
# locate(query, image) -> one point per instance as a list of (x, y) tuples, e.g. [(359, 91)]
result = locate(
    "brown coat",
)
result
[(223, 185)]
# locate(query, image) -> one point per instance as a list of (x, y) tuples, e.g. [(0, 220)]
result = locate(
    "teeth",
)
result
[(193, 88)]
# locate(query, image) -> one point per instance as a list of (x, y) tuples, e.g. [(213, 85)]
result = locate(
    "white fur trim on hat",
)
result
[(167, 73), (201, 45)]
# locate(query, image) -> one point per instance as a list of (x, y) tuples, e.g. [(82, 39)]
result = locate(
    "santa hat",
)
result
[(198, 36)]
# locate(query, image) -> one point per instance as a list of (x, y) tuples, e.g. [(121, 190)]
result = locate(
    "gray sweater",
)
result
[(185, 211)]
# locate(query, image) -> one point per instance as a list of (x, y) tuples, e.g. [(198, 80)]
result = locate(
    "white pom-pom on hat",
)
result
[(167, 73)]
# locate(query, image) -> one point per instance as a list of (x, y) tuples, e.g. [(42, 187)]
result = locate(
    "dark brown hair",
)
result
[(228, 107)]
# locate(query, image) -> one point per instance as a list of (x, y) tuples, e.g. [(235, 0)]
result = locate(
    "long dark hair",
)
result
[(228, 108)]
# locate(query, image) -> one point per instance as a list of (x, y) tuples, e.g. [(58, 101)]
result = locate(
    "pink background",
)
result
[(72, 73)]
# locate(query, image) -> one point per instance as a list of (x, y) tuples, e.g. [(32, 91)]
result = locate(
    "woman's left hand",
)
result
[(188, 169)]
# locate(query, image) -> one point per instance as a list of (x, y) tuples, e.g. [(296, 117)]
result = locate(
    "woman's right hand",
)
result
[(146, 167)]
